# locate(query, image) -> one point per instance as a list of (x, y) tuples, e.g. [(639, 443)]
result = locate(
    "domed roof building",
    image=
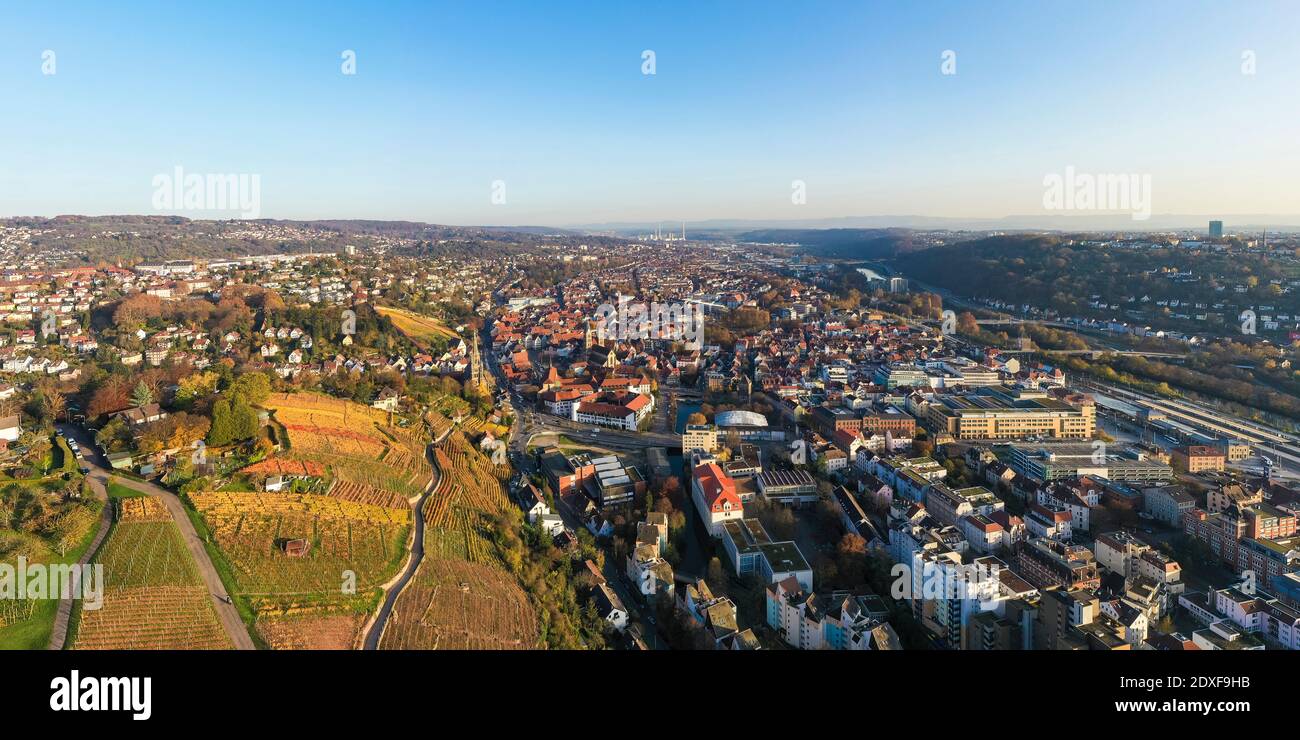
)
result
[(739, 418)]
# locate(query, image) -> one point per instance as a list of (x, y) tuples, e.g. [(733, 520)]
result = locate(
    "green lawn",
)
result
[(117, 490)]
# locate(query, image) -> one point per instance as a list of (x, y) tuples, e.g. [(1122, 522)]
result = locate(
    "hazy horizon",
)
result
[(1020, 223)]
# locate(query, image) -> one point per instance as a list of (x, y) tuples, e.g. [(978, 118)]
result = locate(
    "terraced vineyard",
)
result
[(236, 503), (364, 494), (154, 598), (252, 529), (474, 483), (456, 605), (355, 443), (308, 566), (311, 632), (141, 509), (438, 424), (461, 597)]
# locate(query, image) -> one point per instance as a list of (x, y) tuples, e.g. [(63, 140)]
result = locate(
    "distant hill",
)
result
[(1073, 222), (840, 243), (129, 239)]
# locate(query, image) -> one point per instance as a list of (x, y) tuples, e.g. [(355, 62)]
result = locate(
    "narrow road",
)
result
[(226, 611), (394, 589), (63, 617)]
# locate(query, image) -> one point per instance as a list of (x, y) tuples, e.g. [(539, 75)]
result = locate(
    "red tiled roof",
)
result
[(718, 487)]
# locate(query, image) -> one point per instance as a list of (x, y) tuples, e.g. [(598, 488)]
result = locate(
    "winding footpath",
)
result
[(98, 477), (374, 629)]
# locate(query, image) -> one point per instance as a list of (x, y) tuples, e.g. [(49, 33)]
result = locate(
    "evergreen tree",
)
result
[(244, 419), (142, 395), (222, 430)]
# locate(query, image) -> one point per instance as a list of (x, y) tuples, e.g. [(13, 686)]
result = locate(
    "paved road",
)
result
[(412, 563), (99, 474), (63, 617), (583, 433)]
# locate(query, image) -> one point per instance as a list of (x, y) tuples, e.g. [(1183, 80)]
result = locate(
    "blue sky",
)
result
[(549, 98)]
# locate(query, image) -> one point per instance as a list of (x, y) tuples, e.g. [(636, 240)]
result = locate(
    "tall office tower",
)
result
[(1216, 229)]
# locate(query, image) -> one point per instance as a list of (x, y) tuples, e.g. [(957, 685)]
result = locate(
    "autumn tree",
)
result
[(113, 395), (851, 558), (254, 388), (966, 324), (195, 386), (51, 402), (134, 311)]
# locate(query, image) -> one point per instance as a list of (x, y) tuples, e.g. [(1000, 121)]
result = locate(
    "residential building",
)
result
[(1048, 562), (1168, 504)]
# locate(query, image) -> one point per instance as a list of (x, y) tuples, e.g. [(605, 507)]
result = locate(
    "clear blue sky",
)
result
[(549, 98)]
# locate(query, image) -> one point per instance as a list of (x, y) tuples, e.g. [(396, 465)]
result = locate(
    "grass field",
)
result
[(420, 329), (117, 490)]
